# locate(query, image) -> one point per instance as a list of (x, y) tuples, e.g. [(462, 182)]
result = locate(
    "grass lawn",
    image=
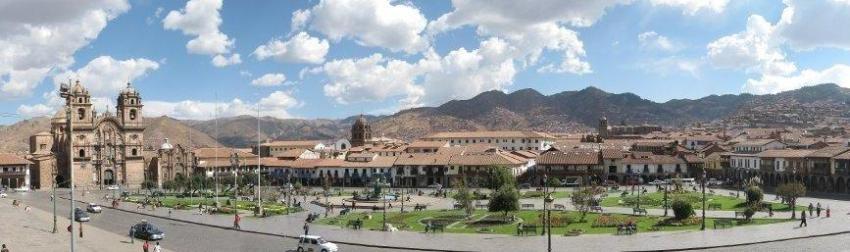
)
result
[(594, 223), (193, 202), (656, 200), (536, 194)]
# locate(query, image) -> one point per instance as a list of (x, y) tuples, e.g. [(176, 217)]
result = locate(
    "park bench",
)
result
[(714, 206), (637, 211), (435, 227), (560, 207), (722, 223), (739, 213), (419, 207), (526, 229), (627, 229), (527, 206), (596, 208), (480, 205)]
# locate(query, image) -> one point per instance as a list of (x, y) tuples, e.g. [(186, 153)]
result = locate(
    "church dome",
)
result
[(360, 122), (128, 90), (78, 89)]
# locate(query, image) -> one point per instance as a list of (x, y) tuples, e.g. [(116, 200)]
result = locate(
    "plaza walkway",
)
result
[(292, 225)]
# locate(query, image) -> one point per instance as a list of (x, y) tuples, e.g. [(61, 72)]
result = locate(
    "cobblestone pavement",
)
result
[(32, 231), (292, 224)]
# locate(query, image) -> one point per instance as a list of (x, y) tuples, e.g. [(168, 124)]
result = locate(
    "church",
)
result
[(104, 149)]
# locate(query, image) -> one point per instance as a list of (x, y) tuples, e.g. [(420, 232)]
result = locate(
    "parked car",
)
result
[(570, 182), (525, 186), (3, 195), (80, 215), (113, 187), (94, 208), (147, 231), (315, 243), (714, 182)]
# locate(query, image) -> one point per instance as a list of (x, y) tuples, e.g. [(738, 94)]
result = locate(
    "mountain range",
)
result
[(525, 109)]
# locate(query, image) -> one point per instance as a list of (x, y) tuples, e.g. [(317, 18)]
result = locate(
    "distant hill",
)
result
[(526, 109)]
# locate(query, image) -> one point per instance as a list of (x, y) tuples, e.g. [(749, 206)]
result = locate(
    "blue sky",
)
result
[(340, 58)]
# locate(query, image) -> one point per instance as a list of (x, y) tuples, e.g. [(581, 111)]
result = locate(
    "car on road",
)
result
[(94, 208), (147, 231), (80, 215), (113, 187), (657, 182), (315, 243), (3, 195)]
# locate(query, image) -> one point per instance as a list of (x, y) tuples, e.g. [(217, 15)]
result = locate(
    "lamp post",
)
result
[(666, 188), (702, 226), (64, 92), (547, 209), (53, 196)]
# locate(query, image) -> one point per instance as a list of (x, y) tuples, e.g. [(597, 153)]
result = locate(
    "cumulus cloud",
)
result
[(223, 61), (270, 79), (301, 48), (275, 104), (299, 20), (374, 23), (693, 7), (810, 24), (201, 19), (839, 74), (755, 49), (37, 36), (460, 74), (653, 41)]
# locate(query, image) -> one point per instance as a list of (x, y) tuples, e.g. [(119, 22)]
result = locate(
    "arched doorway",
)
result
[(108, 177)]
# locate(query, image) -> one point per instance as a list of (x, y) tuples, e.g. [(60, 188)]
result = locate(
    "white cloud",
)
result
[(299, 20), (654, 41), (672, 65), (374, 23), (460, 74), (755, 49), (37, 36), (201, 18), (270, 79), (223, 61), (838, 74), (301, 48), (36, 110), (275, 104), (693, 7), (105, 76), (810, 24), (531, 28)]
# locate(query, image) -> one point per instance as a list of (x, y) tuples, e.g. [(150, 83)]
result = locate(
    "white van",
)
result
[(315, 243)]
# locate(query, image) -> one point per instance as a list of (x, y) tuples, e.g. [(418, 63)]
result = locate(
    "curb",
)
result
[(272, 234)]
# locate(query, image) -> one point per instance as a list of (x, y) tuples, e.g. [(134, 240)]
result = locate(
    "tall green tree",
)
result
[(464, 197), (500, 176), (505, 199), (790, 192), (583, 199)]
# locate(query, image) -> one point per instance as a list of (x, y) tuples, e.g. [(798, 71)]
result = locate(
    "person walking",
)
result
[(827, 212), (803, 219), (306, 229), (818, 208), (157, 248), (81, 230), (4, 249), (236, 220), (132, 234), (811, 208), (146, 247)]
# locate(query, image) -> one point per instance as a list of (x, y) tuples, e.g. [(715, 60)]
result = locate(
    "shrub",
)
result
[(754, 195), (749, 212), (607, 220), (532, 194), (682, 209)]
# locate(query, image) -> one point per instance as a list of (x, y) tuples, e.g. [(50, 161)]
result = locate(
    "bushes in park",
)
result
[(608, 220), (682, 209), (532, 194), (754, 195)]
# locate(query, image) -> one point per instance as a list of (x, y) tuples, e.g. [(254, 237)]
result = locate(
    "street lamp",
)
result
[(54, 173), (702, 226), (666, 188), (547, 207)]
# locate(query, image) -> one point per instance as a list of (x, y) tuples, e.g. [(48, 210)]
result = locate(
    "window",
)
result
[(678, 168), (645, 168), (612, 169), (80, 100), (659, 169), (82, 153), (134, 152), (628, 168), (132, 114), (81, 113)]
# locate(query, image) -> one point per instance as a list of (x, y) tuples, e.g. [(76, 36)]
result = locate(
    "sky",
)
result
[(200, 59)]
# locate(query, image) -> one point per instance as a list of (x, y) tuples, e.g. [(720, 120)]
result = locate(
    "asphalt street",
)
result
[(180, 236)]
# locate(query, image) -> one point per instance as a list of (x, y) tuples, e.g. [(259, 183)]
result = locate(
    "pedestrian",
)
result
[(81, 230), (146, 247), (4, 249), (132, 234), (818, 208), (306, 228), (169, 212), (827, 211), (811, 208), (236, 220), (157, 248), (803, 219)]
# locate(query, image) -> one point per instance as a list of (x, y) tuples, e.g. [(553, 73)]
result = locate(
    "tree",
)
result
[(149, 185), (682, 209), (790, 192), (583, 199), (754, 196), (500, 176), (464, 198), (506, 199)]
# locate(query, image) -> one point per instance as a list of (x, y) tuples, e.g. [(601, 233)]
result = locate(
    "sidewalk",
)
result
[(31, 231), (292, 225)]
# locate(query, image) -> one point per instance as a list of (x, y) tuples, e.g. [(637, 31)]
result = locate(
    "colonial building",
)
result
[(14, 171), (361, 132), (505, 140), (107, 148)]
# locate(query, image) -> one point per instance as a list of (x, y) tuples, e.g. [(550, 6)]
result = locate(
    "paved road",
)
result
[(826, 243), (179, 236)]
